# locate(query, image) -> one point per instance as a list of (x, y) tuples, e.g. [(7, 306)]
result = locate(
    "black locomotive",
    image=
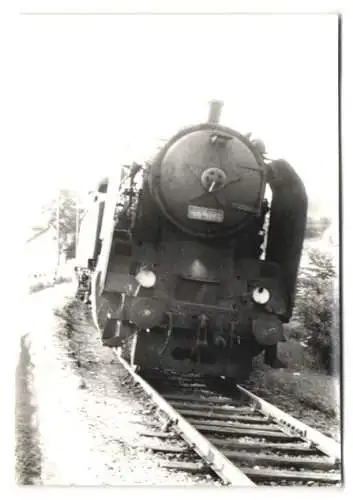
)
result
[(193, 265)]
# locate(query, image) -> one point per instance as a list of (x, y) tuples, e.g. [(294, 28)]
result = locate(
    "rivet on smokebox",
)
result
[(267, 329)]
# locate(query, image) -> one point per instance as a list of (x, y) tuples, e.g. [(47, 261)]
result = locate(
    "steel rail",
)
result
[(223, 467), (290, 424)]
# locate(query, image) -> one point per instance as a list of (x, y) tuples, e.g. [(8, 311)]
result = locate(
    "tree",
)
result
[(318, 310), (70, 212)]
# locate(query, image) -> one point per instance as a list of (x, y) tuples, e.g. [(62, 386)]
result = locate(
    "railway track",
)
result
[(243, 439)]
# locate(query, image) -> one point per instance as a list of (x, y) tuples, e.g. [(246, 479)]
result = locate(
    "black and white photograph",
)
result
[(180, 321)]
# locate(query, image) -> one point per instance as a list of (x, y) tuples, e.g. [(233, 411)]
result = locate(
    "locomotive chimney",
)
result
[(215, 111)]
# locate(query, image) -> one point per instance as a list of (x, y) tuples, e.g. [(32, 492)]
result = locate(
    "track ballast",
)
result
[(240, 437)]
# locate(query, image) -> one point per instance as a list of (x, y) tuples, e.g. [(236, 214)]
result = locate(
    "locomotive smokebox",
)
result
[(215, 111), (208, 180)]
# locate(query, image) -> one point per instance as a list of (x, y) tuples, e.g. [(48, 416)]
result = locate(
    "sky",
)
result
[(98, 91)]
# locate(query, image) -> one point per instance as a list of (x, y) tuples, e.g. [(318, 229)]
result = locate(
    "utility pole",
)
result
[(77, 225), (58, 227)]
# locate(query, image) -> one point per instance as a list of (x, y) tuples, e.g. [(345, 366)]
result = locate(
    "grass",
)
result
[(301, 382), (294, 354), (315, 390), (301, 387)]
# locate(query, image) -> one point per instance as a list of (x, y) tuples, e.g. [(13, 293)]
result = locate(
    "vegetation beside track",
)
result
[(309, 386)]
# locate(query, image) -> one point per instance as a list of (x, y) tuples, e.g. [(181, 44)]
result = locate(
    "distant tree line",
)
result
[(316, 226), (318, 219)]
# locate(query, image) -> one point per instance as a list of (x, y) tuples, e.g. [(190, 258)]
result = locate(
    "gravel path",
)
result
[(78, 413), (27, 449)]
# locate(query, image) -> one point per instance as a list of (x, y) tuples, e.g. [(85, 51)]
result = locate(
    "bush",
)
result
[(317, 310)]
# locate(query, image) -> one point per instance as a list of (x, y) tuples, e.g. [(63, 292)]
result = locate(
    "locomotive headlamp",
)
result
[(146, 278), (261, 295)]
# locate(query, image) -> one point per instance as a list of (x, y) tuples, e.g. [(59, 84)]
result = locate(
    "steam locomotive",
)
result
[(193, 257)]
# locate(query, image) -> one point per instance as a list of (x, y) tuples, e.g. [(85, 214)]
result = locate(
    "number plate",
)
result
[(204, 213)]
